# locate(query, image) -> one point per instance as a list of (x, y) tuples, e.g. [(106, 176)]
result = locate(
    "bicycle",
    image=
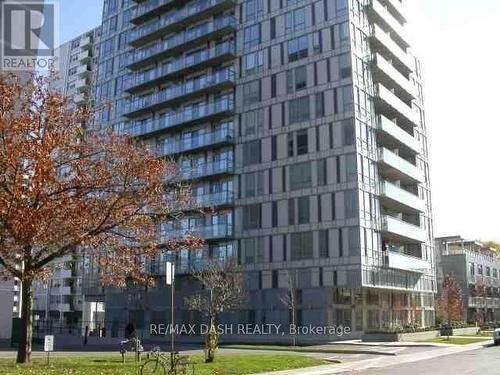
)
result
[(161, 364)]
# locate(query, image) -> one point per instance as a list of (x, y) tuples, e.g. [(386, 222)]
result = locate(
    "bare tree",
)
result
[(290, 301), (223, 290)]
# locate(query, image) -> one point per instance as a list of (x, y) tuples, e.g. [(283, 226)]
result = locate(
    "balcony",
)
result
[(208, 232), (399, 230), (380, 14), (152, 8), (83, 71), (398, 199), (392, 136), (393, 107), (82, 85), (218, 199), (174, 95), (86, 43), (79, 98), (61, 290), (389, 76), (205, 140), (84, 57), (406, 263), (383, 43), (181, 42), (396, 168), (177, 20), (207, 169), (396, 9), (189, 116), (214, 56), (61, 307)]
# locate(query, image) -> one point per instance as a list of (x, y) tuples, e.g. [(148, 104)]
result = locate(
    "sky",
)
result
[(457, 43)]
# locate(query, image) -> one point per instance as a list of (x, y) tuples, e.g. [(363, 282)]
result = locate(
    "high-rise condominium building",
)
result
[(302, 122), (59, 302)]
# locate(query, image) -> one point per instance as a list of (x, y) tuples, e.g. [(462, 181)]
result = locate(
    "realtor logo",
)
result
[(28, 34)]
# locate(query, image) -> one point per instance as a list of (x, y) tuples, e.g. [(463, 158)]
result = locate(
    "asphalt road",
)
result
[(484, 361)]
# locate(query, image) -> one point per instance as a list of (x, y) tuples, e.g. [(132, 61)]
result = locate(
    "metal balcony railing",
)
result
[(195, 142), (208, 232), (179, 41), (167, 22), (149, 77), (207, 169), (221, 107), (178, 92)]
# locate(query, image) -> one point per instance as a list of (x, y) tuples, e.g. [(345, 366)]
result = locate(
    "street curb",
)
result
[(316, 351)]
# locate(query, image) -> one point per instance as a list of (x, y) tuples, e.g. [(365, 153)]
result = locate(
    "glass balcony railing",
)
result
[(396, 134), (386, 73), (139, 79), (171, 44), (399, 166), (167, 22), (219, 198), (402, 197), (402, 229), (391, 103), (208, 232), (210, 168), (383, 16), (196, 142), (166, 96), (390, 47), (189, 115), (146, 7)]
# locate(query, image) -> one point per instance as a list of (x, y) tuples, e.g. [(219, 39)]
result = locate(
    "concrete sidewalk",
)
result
[(381, 361)]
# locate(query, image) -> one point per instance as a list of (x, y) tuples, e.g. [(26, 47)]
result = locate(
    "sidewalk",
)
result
[(381, 361)]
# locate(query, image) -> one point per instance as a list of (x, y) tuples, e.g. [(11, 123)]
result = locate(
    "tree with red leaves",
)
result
[(450, 302), (65, 190)]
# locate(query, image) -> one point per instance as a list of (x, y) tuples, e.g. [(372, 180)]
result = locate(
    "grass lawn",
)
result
[(488, 334), (457, 340), (223, 365)]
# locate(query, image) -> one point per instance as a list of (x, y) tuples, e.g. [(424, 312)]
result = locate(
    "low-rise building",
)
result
[(476, 268)]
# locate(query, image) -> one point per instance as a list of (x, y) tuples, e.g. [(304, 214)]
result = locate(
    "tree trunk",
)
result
[(24, 348), (211, 341)]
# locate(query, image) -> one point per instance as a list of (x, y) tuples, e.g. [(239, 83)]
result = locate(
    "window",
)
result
[(298, 110), (254, 250), (351, 204), (319, 104), (254, 184), (295, 20), (341, 7), (488, 271), (317, 43), (106, 47), (479, 269), (291, 212), (253, 122), (273, 86), (72, 71), (303, 210), (290, 145), (351, 168), (345, 66), (251, 153), (254, 62), (297, 48), (300, 176), (251, 92), (321, 166), (344, 33), (302, 245), (495, 273), (324, 251), (252, 216), (297, 79), (302, 142), (252, 36), (348, 135), (348, 99), (253, 9)]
